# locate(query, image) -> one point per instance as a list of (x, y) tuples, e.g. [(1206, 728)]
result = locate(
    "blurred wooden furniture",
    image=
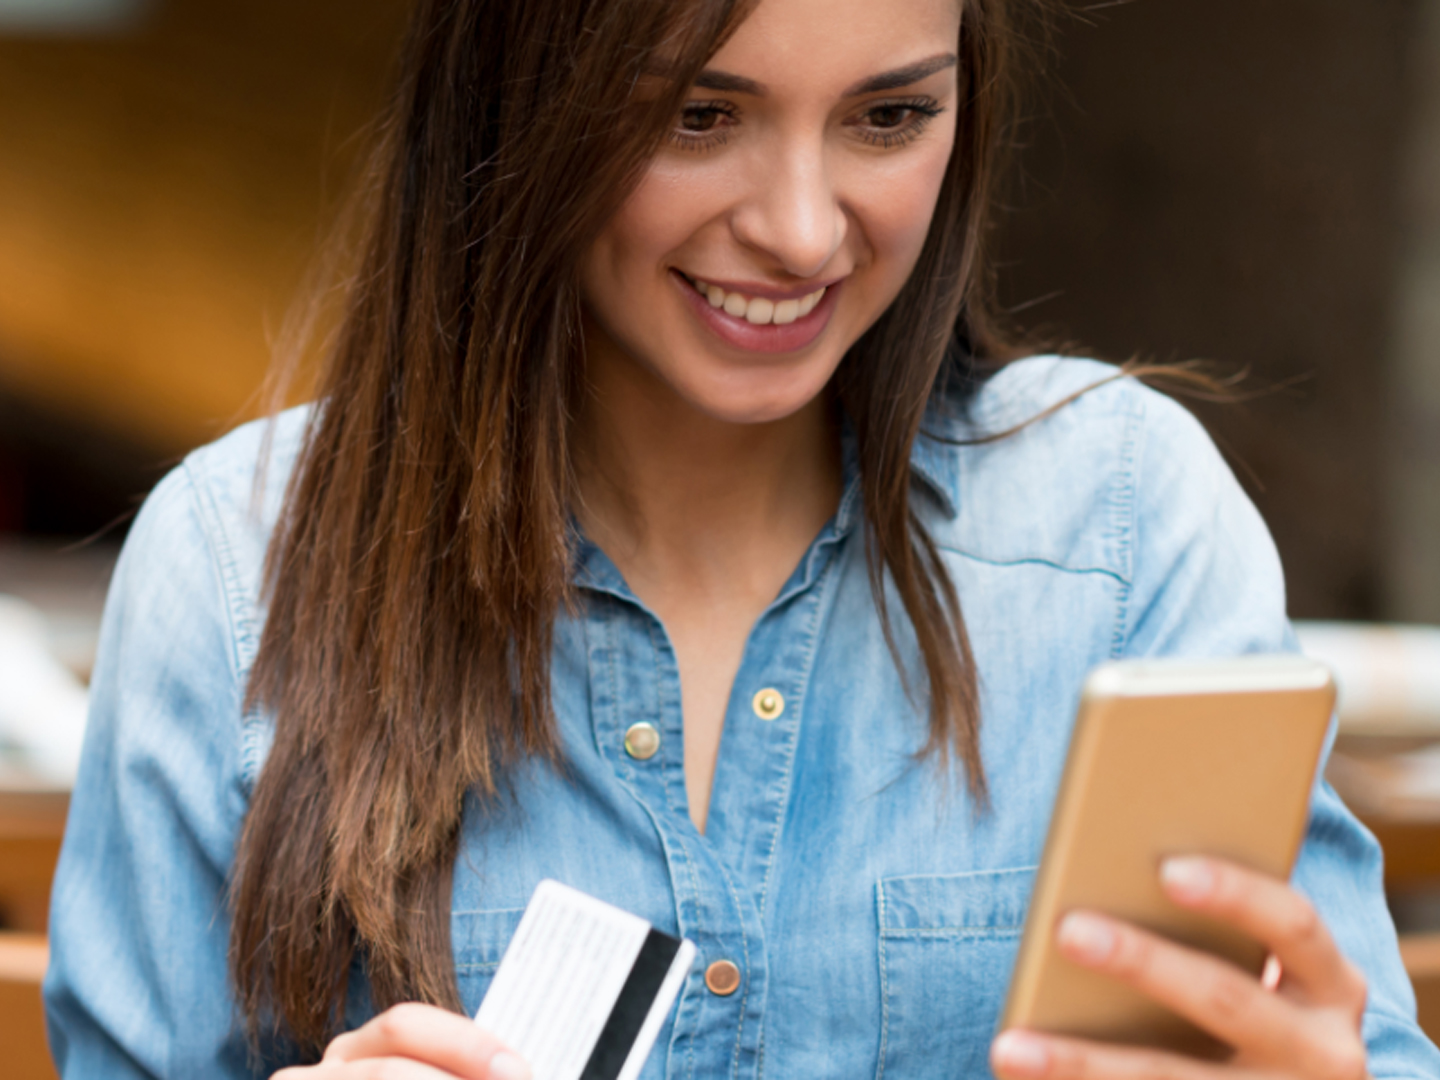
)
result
[(32, 823), (1412, 864), (1422, 960), (1387, 769), (22, 1018), (1412, 852)]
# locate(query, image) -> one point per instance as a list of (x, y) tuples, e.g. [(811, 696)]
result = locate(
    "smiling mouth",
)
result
[(757, 310)]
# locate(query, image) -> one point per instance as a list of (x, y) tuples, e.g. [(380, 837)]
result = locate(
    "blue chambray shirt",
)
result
[(873, 916)]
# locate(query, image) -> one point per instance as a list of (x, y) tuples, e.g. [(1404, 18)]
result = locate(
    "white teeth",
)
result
[(758, 311)]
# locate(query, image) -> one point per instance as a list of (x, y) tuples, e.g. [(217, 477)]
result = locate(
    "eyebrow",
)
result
[(724, 81), (711, 79), (903, 76)]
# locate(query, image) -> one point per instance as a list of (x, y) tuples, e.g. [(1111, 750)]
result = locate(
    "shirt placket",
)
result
[(720, 879), (636, 715)]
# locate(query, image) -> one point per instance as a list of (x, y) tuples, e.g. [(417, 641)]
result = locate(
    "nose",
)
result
[(793, 214)]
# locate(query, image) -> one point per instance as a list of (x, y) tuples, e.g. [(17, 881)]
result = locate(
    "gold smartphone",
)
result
[(1168, 757)]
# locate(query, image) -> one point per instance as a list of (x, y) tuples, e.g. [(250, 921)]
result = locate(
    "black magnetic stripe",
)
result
[(632, 1006)]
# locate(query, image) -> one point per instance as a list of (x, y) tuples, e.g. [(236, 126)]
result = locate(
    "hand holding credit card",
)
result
[(583, 988)]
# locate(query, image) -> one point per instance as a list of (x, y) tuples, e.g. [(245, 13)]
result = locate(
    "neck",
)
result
[(671, 492)]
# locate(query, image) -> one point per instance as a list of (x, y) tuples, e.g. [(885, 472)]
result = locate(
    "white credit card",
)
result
[(583, 988)]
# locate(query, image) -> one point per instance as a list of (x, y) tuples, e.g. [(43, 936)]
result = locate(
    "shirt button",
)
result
[(723, 978), (642, 741), (768, 704)]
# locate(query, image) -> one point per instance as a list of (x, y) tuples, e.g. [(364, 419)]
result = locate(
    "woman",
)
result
[(627, 544)]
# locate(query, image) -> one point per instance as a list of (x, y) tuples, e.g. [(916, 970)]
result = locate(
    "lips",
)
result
[(760, 323)]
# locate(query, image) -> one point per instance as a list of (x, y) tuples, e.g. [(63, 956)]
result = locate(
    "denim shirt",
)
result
[(872, 913)]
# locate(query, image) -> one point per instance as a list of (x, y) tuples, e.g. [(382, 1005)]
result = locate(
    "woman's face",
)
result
[(787, 207)]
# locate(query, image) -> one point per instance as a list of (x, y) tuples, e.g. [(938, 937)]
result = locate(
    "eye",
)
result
[(890, 116), (700, 118), (894, 123), (703, 124)]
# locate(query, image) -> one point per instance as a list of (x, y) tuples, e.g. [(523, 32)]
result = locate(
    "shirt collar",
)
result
[(932, 460)]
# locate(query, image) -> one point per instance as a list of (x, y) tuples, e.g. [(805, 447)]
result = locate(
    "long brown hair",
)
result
[(423, 553)]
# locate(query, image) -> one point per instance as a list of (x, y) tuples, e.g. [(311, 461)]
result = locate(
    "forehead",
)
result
[(825, 45)]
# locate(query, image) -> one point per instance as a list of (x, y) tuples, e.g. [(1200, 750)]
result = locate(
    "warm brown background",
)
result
[(161, 190), (1205, 179)]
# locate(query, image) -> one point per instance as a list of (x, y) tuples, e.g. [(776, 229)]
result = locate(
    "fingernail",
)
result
[(1021, 1052), (1273, 973), (1187, 879), (506, 1066), (1086, 937)]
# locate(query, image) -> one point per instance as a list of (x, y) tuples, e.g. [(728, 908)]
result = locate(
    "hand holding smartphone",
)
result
[(1168, 758)]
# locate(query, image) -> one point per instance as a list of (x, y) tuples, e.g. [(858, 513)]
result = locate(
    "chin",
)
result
[(754, 396)]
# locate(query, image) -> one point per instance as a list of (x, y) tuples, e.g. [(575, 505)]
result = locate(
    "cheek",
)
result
[(667, 208), (896, 206)]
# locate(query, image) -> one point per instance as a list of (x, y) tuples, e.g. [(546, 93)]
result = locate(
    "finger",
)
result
[(432, 1036), (1214, 995), (1273, 913), (384, 1068), (1027, 1055)]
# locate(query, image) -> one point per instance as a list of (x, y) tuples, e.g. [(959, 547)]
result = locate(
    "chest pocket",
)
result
[(478, 939), (947, 948)]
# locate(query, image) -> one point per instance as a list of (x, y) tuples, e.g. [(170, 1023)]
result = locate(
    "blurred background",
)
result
[(1255, 184)]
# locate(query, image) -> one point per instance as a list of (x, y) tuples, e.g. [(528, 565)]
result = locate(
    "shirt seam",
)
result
[(749, 970), (823, 593), (1126, 522), (884, 980), (1034, 560), (677, 803), (1029, 868), (630, 779), (222, 557), (238, 618), (961, 933)]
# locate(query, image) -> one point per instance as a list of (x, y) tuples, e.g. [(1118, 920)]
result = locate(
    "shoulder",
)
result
[(1057, 460), (170, 758), (1094, 403), (209, 522), (245, 473)]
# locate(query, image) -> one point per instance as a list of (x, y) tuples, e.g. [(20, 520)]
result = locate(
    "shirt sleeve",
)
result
[(1206, 581), (138, 984)]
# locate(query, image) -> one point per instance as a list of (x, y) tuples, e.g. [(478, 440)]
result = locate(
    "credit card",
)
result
[(583, 988)]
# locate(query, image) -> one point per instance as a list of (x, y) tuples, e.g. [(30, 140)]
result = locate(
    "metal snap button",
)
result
[(642, 741), (723, 978), (768, 704)]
